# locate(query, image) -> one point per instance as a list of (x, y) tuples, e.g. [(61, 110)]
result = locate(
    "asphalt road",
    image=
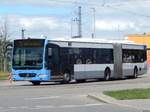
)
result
[(55, 97)]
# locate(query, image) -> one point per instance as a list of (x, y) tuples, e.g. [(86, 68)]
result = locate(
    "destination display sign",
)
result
[(29, 43)]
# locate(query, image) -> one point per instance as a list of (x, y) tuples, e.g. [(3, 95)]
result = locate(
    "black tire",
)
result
[(36, 82), (135, 74), (107, 74), (66, 77), (80, 80)]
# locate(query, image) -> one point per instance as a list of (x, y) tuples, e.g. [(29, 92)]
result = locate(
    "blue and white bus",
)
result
[(41, 60)]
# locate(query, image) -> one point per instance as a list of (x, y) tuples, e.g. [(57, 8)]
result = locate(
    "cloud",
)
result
[(44, 3), (113, 25), (38, 22), (36, 26)]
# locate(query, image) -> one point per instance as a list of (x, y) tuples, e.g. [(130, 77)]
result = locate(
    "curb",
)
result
[(101, 97), (109, 100)]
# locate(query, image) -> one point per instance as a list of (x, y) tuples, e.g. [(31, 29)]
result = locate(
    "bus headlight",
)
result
[(42, 76)]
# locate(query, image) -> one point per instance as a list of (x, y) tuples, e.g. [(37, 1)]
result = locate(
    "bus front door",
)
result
[(53, 61)]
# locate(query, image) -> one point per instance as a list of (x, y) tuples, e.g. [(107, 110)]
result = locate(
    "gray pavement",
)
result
[(90, 108), (74, 97)]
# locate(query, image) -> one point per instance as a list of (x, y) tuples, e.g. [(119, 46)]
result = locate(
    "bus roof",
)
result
[(89, 40), (86, 40), (93, 43)]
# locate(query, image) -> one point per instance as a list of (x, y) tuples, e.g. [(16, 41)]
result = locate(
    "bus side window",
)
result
[(94, 57)]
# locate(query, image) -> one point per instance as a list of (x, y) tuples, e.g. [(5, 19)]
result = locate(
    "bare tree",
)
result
[(4, 35)]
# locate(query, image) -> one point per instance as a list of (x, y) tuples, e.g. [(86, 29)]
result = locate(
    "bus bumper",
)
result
[(30, 75)]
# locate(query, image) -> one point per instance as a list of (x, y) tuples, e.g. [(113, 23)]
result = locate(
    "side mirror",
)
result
[(49, 51)]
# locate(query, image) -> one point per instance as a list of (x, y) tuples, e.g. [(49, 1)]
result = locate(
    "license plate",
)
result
[(27, 78)]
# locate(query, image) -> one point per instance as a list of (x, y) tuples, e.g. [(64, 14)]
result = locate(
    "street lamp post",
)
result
[(93, 32)]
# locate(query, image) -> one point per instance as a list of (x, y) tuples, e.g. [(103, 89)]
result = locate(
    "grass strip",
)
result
[(129, 94), (4, 75)]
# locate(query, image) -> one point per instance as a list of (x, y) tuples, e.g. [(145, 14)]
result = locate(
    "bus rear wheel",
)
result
[(107, 74), (36, 82), (135, 73)]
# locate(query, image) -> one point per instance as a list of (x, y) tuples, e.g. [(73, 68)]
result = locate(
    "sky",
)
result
[(114, 19)]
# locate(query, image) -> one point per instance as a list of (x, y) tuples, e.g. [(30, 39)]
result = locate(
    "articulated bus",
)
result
[(42, 60)]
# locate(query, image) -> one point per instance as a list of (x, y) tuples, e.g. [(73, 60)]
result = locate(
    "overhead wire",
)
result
[(104, 5)]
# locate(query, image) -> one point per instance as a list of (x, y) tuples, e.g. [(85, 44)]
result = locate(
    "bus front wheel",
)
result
[(67, 77), (36, 82)]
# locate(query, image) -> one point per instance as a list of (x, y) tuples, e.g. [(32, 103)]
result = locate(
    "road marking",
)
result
[(20, 107), (66, 106), (42, 98), (5, 109), (43, 106), (54, 97), (12, 107), (84, 105)]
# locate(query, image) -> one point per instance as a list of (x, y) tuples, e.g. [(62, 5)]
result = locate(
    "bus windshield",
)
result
[(28, 55), (28, 58)]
